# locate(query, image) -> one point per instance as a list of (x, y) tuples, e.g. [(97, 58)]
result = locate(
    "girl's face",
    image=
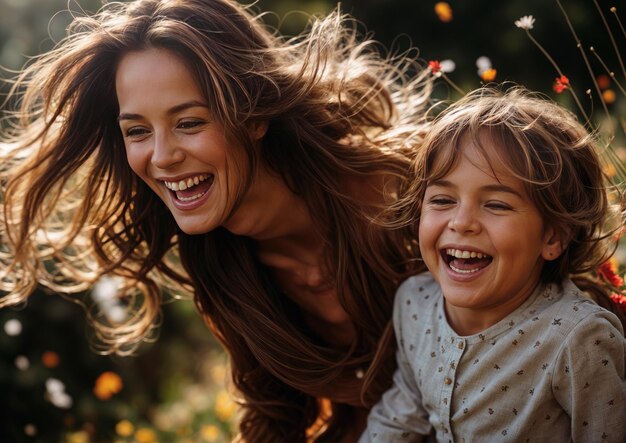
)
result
[(483, 239), (173, 143)]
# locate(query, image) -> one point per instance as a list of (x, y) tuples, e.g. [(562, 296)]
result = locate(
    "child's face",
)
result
[(483, 239)]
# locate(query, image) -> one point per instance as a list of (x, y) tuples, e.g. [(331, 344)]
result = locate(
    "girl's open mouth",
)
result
[(465, 262)]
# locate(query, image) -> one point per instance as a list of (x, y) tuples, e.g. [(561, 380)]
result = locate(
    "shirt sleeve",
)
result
[(589, 382), (399, 416)]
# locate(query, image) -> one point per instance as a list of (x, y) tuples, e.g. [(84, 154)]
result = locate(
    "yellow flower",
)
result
[(124, 428), (489, 75), (107, 384), (145, 435), (225, 407), (443, 11), (210, 433), (609, 170), (77, 437)]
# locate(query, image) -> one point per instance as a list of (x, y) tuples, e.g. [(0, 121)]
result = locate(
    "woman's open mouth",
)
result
[(465, 262), (191, 188)]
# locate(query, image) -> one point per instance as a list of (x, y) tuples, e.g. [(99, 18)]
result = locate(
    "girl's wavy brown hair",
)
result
[(558, 160), (338, 110)]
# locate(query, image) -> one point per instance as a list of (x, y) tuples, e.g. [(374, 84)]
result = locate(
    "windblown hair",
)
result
[(338, 109), (558, 160)]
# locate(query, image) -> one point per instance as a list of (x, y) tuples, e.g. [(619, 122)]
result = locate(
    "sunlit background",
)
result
[(55, 388)]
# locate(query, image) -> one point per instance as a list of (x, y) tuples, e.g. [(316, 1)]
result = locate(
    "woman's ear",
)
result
[(258, 129), (554, 243)]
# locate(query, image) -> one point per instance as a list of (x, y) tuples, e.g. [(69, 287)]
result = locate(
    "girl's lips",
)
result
[(463, 276)]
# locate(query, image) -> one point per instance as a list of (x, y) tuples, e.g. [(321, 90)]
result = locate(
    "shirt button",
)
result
[(447, 380), (461, 345)]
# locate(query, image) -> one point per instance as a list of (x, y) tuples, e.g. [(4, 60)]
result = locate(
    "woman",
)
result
[(182, 144)]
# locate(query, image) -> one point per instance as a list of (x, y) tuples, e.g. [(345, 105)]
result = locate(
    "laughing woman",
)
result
[(181, 145)]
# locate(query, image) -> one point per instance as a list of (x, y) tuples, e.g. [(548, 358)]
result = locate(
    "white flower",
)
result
[(525, 22), (54, 386), (105, 289), (13, 327), (105, 293), (21, 362), (483, 64), (56, 394), (447, 65)]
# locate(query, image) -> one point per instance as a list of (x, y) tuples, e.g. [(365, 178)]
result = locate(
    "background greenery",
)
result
[(175, 389)]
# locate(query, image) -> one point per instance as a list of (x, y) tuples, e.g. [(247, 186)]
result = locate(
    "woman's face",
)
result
[(173, 143)]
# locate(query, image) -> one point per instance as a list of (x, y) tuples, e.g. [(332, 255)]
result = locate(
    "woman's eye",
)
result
[(190, 124), (135, 132)]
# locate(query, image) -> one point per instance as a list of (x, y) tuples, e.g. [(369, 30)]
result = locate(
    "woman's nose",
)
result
[(166, 152)]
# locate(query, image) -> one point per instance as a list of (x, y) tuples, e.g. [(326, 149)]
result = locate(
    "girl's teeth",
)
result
[(457, 253)]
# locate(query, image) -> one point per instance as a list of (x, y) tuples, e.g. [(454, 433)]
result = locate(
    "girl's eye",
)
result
[(441, 201), (498, 206)]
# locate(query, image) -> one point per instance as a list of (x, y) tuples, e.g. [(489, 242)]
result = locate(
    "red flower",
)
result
[(608, 271), (619, 300), (560, 84), (435, 66)]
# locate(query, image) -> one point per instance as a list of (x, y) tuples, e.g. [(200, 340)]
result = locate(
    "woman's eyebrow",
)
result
[(173, 110)]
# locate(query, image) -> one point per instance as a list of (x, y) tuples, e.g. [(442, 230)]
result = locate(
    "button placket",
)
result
[(454, 348)]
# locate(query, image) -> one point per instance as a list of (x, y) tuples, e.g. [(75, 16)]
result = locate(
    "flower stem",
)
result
[(586, 60), (608, 71), (608, 30), (558, 70), (451, 83)]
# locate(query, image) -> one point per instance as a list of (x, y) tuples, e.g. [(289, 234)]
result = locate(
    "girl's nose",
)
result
[(166, 152), (464, 221)]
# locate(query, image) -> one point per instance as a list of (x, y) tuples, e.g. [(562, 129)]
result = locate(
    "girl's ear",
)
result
[(554, 243), (258, 129)]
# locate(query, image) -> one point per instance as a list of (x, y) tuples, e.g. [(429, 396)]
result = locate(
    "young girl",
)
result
[(498, 342), (183, 144)]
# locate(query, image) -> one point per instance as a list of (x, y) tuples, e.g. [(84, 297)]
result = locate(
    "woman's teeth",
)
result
[(185, 184)]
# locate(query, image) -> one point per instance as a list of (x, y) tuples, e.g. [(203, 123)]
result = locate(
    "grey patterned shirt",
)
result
[(552, 371)]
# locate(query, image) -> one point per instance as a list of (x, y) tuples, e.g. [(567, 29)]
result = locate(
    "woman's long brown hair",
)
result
[(338, 111)]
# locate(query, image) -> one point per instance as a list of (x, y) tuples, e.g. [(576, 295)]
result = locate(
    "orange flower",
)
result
[(107, 384), (609, 96), (443, 11), (50, 359), (489, 75), (560, 84)]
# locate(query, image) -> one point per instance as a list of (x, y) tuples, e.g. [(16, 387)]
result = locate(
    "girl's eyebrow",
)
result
[(173, 110), (489, 188)]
